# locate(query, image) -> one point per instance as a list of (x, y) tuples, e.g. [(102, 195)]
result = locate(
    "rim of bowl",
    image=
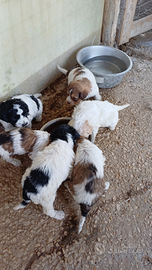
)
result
[(114, 49), (54, 120)]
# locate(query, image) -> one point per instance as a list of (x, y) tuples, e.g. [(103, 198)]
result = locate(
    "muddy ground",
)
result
[(117, 233)]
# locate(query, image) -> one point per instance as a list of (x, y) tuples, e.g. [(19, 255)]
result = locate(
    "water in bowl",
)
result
[(105, 65)]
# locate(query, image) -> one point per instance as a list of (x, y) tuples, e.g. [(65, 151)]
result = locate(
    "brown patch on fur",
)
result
[(87, 83), (2, 129), (86, 129), (28, 138), (78, 71), (8, 147), (86, 173), (79, 140)]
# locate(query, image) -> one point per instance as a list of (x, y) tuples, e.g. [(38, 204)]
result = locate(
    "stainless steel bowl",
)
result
[(49, 126), (109, 65)]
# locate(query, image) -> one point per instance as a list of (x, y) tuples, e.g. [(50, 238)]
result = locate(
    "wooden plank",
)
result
[(109, 24), (126, 20), (141, 26)]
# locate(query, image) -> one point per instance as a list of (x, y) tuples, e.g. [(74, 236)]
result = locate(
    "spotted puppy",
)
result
[(90, 115), (49, 169), (81, 85), (87, 184), (20, 110), (20, 141)]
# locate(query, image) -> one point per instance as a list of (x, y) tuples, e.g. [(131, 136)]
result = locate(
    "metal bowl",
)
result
[(109, 65), (49, 126)]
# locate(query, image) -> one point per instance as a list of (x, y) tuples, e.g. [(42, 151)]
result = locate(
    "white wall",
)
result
[(35, 35)]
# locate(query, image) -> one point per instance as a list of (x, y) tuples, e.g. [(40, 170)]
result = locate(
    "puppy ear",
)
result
[(87, 129), (83, 94)]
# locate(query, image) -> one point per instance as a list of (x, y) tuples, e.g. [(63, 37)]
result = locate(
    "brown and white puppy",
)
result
[(87, 184), (20, 141), (81, 85)]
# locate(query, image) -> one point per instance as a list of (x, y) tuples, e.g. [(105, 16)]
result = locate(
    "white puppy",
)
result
[(20, 110), (89, 115), (81, 85), (49, 169), (87, 184), (20, 141)]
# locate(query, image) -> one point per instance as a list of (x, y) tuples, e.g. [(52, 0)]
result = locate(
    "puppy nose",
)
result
[(25, 124)]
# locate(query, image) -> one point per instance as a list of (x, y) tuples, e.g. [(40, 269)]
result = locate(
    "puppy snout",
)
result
[(26, 124)]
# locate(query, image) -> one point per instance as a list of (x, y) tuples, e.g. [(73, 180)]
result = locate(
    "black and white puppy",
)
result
[(20, 141), (20, 110), (87, 184), (49, 169)]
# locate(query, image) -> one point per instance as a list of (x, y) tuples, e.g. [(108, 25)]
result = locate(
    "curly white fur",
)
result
[(89, 115)]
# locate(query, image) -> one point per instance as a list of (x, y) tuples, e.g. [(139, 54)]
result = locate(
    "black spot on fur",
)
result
[(84, 209), (36, 179), (62, 131), (22, 132), (93, 168), (24, 203), (89, 187), (36, 101), (9, 114), (5, 138)]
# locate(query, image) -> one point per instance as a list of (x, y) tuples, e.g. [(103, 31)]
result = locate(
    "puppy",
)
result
[(87, 184), (81, 85), (49, 169), (89, 115), (20, 110), (20, 141)]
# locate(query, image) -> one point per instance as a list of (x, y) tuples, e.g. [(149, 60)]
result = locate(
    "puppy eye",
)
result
[(74, 98)]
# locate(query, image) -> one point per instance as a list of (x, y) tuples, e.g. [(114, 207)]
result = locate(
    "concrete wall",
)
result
[(38, 34)]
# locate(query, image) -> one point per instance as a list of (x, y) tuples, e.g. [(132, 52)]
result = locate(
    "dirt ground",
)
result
[(117, 233)]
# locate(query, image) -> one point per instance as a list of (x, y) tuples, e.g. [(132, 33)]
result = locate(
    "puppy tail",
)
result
[(84, 211), (21, 205), (81, 222), (119, 108), (63, 70)]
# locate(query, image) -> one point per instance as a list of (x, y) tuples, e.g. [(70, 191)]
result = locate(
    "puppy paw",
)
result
[(112, 127), (16, 162), (98, 97), (59, 215)]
